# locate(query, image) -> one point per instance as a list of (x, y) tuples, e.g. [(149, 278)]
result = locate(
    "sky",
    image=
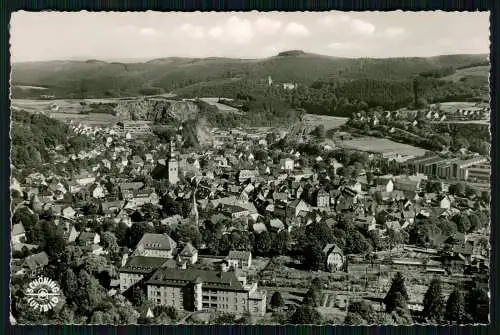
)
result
[(118, 36)]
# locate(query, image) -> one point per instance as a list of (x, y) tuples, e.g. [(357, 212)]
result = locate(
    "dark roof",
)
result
[(143, 264), (157, 242), (188, 250), (210, 279), (236, 254)]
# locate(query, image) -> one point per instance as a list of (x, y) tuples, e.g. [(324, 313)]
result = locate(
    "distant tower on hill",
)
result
[(173, 165), (269, 81)]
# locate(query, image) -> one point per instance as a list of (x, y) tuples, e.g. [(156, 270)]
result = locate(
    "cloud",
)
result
[(296, 29), (393, 32), (331, 20), (234, 29), (339, 46), (267, 26), (352, 25), (362, 27), (216, 32), (147, 31), (192, 31)]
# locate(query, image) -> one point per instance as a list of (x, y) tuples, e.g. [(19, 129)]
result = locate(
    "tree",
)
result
[(356, 243), (306, 315), (319, 132), (434, 304), (277, 300), (475, 222), (477, 305), (281, 242), (314, 256), (136, 232), (455, 307), (392, 300), (69, 285), (225, 318), (360, 312), (262, 243), (188, 232), (109, 241), (463, 223)]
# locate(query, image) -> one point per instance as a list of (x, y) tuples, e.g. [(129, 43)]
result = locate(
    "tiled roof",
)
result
[(236, 254), (209, 279), (143, 264), (188, 250), (157, 242)]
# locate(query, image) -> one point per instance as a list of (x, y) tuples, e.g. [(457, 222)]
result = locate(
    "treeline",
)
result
[(33, 135)]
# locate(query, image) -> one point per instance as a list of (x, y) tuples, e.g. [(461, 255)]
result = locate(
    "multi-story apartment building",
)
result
[(156, 245), (446, 168), (196, 290), (480, 173), (137, 268)]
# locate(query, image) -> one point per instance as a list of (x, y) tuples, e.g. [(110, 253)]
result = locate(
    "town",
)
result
[(257, 228)]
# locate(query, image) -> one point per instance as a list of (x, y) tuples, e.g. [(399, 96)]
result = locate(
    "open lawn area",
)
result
[(380, 145)]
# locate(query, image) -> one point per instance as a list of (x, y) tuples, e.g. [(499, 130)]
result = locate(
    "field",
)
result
[(451, 107), (479, 71), (330, 122), (380, 145)]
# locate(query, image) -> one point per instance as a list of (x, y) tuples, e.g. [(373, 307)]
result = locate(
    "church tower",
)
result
[(173, 165)]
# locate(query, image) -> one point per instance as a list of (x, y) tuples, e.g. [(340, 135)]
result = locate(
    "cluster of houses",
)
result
[(260, 195)]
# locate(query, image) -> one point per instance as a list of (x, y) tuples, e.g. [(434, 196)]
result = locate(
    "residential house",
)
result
[(88, 238), (109, 208), (69, 232), (189, 254), (444, 202), (156, 245), (34, 264), (365, 222), (18, 234), (97, 191), (68, 213), (276, 225), (385, 184), (294, 208), (84, 178), (323, 199), (239, 259), (234, 211), (259, 227), (287, 164), (334, 257)]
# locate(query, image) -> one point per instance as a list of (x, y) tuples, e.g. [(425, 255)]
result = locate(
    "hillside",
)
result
[(84, 79)]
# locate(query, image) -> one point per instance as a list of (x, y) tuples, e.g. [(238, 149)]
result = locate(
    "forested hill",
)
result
[(84, 79), (35, 136)]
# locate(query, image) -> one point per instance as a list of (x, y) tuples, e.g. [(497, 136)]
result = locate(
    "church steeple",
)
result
[(172, 149), (173, 165)]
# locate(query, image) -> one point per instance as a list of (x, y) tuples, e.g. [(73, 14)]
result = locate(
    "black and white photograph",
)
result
[(254, 168)]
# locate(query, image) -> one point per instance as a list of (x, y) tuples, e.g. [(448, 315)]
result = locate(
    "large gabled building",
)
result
[(196, 290)]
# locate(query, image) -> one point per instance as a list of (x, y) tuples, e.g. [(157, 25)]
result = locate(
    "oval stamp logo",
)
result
[(43, 294)]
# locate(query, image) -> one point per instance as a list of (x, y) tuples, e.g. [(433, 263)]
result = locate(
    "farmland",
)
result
[(329, 122), (478, 71), (380, 145)]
